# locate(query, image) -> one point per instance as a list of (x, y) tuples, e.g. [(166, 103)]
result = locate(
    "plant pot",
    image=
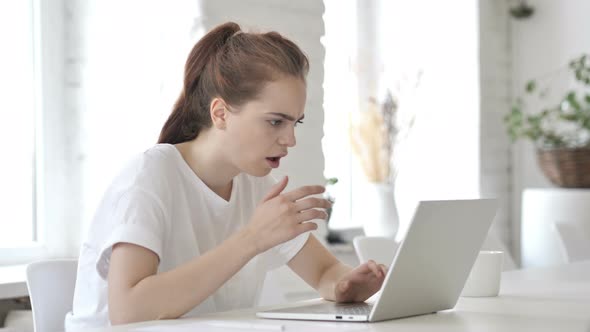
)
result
[(568, 168)]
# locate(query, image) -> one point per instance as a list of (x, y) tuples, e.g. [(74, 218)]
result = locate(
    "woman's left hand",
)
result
[(360, 283)]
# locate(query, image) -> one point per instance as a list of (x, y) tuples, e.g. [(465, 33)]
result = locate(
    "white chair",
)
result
[(51, 290), (380, 249), (574, 243), (541, 209)]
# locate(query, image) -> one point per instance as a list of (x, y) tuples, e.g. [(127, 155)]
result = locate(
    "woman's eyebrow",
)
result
[(286, 116)]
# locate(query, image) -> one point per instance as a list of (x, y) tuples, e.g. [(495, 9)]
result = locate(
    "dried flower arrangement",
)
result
[(377, 133), (369, 143)]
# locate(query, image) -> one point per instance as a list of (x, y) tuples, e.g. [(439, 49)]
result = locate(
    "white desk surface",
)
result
[(542, 299), (13, 281)]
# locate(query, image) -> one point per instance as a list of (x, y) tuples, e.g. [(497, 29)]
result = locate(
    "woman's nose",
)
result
[(288, 138)]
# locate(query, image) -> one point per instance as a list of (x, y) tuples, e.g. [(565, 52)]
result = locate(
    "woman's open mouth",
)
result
[(274, 162)]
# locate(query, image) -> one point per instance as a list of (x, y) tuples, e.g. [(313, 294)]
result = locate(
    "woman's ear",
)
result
[(218, 111)]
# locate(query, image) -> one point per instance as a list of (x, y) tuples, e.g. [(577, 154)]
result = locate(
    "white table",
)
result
[(12, 281), (541, 299)]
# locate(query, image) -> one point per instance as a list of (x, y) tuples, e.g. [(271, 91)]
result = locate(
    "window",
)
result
[(31, 127), (340, 98), (17, 124), (57, 159), (373, 45)]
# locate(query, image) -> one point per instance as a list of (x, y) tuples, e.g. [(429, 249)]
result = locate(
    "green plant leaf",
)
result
[(572, 64), (331, 181), (568, 117), (516, 109), (571, 99), (530, 86), (545, 128)]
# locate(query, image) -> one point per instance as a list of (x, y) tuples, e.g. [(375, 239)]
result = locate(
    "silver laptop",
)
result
[(428, 271)]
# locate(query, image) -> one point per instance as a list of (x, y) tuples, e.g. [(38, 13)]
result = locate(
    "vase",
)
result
[(380, 216)]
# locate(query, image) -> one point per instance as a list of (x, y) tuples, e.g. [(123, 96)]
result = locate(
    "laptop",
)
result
[(428, 271)]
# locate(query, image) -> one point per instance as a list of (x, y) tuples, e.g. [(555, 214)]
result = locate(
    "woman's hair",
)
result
[(234, 66)]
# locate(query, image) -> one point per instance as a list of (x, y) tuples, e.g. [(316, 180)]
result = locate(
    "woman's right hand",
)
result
[(281, 217)]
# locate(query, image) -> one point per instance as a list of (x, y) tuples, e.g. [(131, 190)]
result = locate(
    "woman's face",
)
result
[(260, 132)]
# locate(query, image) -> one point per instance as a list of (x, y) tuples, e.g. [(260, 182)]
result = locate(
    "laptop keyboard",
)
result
[(333, 308)]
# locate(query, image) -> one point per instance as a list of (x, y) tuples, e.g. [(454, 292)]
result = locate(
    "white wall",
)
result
[(557, 32), (302, 22)]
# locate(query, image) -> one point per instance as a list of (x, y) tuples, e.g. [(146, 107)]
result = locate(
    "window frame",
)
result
[(48, 62)]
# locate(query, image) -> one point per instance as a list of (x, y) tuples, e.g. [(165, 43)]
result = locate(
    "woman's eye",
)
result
[(275, 123), (298, 122)]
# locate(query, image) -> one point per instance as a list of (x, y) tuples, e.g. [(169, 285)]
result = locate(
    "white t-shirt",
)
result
[(159, 203)]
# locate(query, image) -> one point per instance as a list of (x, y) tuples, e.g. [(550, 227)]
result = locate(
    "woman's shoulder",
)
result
[(161, 155), (159, 159), (151, 169)]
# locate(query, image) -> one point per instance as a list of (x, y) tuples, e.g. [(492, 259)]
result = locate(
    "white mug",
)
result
[(485, 275)]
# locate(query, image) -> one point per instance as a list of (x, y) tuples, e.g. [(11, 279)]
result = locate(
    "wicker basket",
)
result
[(569, 168)]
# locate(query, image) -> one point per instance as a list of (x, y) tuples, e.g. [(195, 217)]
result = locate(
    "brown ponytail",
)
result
[(233, 65)]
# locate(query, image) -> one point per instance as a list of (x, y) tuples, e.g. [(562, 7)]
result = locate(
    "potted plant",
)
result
[(329, 195), (560, 129)]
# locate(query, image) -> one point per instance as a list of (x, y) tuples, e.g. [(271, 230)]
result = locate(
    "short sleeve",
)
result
[(284, 252), (139, 218)]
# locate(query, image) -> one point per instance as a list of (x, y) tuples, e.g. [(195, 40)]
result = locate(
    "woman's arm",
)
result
[(334, 280), (318, 267), (137, 293)]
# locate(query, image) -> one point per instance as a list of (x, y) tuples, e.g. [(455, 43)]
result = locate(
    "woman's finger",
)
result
[(374, 267), (363, 268), (311, 214), (344, 286), (312, 202), (306, 227), (304, 191), (276, 189)]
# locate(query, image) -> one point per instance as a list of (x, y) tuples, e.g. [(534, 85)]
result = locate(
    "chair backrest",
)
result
[(574, 243), (380, 249), (51, 286)]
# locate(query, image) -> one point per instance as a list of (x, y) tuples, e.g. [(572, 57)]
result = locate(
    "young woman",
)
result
[(195, 222)]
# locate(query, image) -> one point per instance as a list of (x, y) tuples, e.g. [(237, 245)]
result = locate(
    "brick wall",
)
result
[(495, 87)]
